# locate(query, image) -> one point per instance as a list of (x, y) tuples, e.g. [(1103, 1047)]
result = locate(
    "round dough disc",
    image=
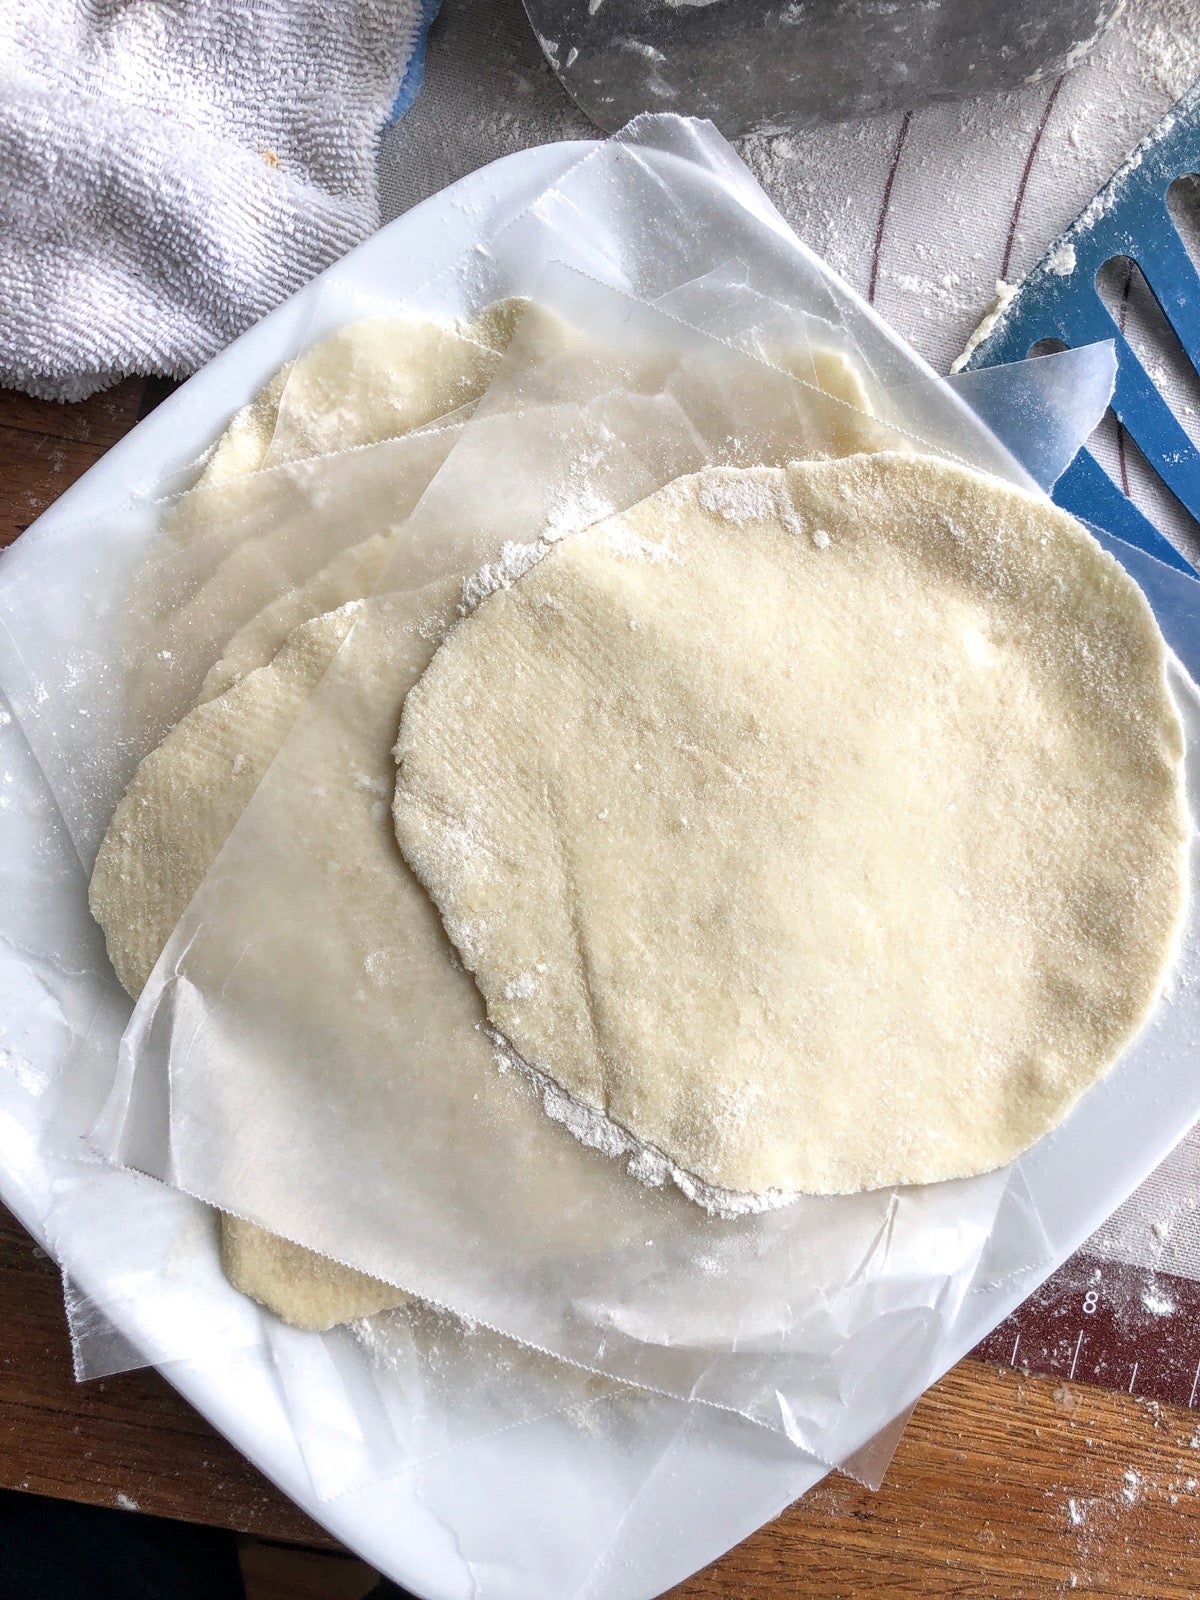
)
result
[(822, 827), (370, 380)]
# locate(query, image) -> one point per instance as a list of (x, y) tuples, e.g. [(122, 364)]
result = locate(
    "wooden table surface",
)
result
[(1005, 1487)]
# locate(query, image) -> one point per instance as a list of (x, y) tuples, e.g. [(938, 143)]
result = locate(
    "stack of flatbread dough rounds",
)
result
[(373, 381), (804, 830)]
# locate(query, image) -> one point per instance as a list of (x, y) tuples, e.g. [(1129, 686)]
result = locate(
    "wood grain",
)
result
[(45, 446), (117, 1440), (1005, 1487)]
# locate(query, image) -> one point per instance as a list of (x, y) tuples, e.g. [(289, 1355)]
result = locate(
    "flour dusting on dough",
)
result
[(739, 499), (512, 563), (742, 499), (623, 541), (571, 512), (515, 560)]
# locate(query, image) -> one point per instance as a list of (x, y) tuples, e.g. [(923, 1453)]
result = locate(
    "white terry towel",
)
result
[(172, 169)]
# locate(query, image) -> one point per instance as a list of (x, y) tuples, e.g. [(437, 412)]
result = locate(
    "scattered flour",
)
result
[(571, 512), (33, 1079), (1062, 262), (380, 965), (1158, 1305), (371, 784), (740, 500), (639, 48), (567, 516), (743, 500), (1167, 39), (623, 543), (512, 563)]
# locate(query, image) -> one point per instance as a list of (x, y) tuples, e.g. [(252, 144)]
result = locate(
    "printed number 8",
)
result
[(1090, 1301)]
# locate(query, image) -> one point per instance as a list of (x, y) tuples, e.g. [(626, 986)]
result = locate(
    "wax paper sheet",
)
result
[(331, 1130), (100, 663), (142, 1284)]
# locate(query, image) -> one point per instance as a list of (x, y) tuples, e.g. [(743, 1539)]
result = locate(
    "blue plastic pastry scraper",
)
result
[(1059, 301)]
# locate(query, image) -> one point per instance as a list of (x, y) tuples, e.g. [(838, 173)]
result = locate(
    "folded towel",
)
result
[(172, 169)]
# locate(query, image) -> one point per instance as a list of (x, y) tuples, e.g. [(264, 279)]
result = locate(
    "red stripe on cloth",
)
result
[(1019, 199), (885, 203)]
